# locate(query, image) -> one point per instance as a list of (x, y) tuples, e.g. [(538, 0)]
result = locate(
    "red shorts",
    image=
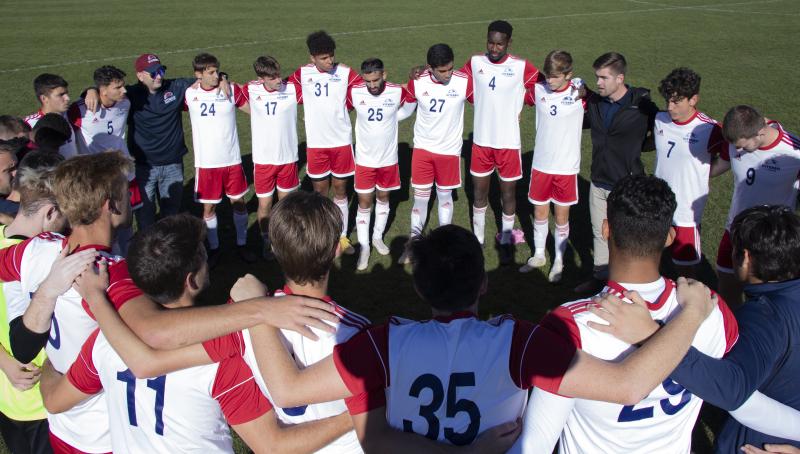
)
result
[(266, 177), (559, 189), (61, 447), (428, 168), (336, 161), (724, 254), (210, 183), (508, 162), (368, 179), (685, 248), (135, 194)]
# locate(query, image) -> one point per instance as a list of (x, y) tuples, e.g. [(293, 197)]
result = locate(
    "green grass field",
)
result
[(741, 49)]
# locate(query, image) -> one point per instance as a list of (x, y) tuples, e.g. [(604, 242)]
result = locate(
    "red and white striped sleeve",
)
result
[(83, 373), (409, 94), (238, 394), (531, 75), (121, 288), (11, 261)]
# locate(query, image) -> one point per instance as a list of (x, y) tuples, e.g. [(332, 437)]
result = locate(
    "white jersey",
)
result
[(559, 123), (306, 352), (273, 122), (683, 159), (86, 425), (471, 356), (183, 411), (323, 96), (499, 93), (662, 421), (70, 147), (101, 130), (215, 139), (440, 114), (767, 176), (376, 123)]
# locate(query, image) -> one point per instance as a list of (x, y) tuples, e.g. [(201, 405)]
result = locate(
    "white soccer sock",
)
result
[(419, 212), (382, 210), (507, 225), (211, 228), (479, 222), (540, 231), (240, 222), (362, 226), (445, 198), (343, 207), (561, 235)]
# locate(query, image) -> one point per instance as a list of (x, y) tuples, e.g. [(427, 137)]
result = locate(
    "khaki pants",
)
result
[(597, 211)]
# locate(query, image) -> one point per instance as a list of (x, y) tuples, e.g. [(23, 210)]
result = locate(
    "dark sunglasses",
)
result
[(158, 72)]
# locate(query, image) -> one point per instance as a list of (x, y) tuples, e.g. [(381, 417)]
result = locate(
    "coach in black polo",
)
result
[(621, 120)]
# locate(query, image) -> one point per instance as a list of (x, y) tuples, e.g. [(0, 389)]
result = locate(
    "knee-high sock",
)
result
[(211, 228), (540, 231), (382, 210), (561, 236), (445, 198), (419, 212), (506, 227), (343, 207), (240, 222), (362, 226), (479, 222)]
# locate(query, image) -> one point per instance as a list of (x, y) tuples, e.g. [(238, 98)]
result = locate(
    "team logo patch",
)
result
[(362, 103), (480, 71), (282, 97), (567, 101), (169, 97), (543, 99), (258, 98), (425, 94), (388, 103), (335, 78), (310, 80), (452, 93), (96, 120), (660, 132), (771, 165), (691, 138), (508, 72)]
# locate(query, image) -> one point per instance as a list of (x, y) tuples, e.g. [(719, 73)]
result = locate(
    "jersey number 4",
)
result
[(629, 413), (157, 384), (454, 407)]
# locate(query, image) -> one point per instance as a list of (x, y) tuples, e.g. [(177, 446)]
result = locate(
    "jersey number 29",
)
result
[(629, 413)]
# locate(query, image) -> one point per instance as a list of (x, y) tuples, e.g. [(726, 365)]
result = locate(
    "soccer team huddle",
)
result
[(104, 349)]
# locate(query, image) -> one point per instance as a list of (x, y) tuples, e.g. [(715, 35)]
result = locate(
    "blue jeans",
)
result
[(166, 182)]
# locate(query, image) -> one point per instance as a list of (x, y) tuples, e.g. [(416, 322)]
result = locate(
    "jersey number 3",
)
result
[(454, 407), (629, 413)]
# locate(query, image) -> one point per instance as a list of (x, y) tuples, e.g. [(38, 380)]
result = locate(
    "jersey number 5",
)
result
[(629, 413), (454, 406), (157, 384)]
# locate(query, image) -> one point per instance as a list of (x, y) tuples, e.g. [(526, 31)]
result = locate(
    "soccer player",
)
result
[(441, 92), (273, 123), (379, 106), (485, 367), (217, 158), (639, 225), (91, 191), (556, 158), (185, 410), (687, 143), (765, 161), (499, 80), (23, 420), (52, 92), (323, 85), (104, 129)]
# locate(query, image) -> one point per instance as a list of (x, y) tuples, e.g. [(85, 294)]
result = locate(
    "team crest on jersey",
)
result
[(221, 96), (508, 72), (691, 138), (388, 103), (771, 165), (335, 78), (568, 101), (452, 93), (282, 96), (169, 97)]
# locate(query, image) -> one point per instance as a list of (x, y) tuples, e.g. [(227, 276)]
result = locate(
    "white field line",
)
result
[(660, 7)]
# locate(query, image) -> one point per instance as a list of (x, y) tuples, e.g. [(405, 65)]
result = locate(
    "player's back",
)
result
[(215, 139), (101, 130), (177, 412), (683, 159), (662, 421), (766, 176), (69, 148), (306, 352), (439, 125), (449, 379)]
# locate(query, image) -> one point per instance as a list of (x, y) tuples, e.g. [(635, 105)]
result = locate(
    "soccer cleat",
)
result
[(556, 271), (517, 236), (246, 254), (380, 246), (345, 246), (537, 261), (404, 259), (363, 258), (506, 254)]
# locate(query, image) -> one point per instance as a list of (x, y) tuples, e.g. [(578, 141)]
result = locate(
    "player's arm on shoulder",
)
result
[(632, 379), (768, 416), (268, 434), (544, 420), (58, 393), (719, 165), (376, 435), (406, 110)]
